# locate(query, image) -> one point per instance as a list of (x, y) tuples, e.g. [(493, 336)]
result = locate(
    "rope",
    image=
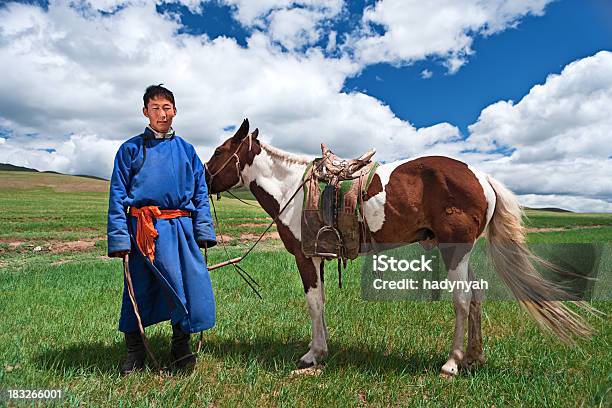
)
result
[(240, 199), (238, 271), (234, 262), (145, 341)]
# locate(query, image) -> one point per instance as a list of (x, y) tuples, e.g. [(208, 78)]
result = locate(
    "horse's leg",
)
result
[(456, 258), (474, 354), (321, 275), (311, 271)]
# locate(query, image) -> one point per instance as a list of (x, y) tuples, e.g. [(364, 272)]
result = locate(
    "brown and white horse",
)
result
[(435, 200)]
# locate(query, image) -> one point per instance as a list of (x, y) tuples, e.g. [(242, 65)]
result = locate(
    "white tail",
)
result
[(514, 263)]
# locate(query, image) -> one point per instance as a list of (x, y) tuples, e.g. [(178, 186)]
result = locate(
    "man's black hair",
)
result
[(156, 91)]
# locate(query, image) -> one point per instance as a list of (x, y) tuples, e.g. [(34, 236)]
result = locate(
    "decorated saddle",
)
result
[(332, 219)]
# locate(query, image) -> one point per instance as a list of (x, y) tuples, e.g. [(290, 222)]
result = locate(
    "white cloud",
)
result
[(426, 74), (107, 6), (414, 29), (294, 24), (331, 41), (73, 94), (252, 13), (76, 74), (294, 28), (566, 117), (79, 154), (110, 6), (561, 133), (572, 203), (579, 176), (359, 118)]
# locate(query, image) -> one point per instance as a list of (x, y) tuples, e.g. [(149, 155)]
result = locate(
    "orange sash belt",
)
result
[(146, 233)]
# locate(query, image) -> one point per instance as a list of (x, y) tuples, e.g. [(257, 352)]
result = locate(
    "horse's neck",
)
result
[(273, 177)]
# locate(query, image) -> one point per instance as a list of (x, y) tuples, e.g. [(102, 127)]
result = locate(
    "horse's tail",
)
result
[(514, 263)]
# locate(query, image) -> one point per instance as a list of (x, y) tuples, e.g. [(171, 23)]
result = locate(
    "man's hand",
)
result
[(118, 254)]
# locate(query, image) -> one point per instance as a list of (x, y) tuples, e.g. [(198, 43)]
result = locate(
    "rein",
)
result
[(243, 274), (234, 262), (240, 199), (239, 270)]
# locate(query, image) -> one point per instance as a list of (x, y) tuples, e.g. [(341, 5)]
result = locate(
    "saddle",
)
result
[(333, 169), (332, 221)]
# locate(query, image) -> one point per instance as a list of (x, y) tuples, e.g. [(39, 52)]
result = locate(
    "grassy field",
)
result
[(60, 299)]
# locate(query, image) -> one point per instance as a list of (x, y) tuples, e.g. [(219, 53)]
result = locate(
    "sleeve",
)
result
[(117, 228), (203, 227)]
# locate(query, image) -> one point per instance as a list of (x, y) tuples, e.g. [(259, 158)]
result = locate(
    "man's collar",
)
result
[(151, 133)]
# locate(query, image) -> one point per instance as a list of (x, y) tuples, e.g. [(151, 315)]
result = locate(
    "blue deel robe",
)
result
[(176, 286)]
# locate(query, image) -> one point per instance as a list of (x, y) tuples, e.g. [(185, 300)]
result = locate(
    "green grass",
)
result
[(62, 331), (243, 193), (595, 235), (59, 326), (550, 219)]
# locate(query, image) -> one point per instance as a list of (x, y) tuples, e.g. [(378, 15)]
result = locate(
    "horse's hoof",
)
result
[(305, 364), (471, 362), (449, 370), (447, 375), (310, 371)]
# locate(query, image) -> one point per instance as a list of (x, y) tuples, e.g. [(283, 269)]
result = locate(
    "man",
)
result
[(159, 214)]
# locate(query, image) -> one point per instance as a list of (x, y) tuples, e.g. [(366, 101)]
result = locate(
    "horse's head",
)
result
[(224, 169)]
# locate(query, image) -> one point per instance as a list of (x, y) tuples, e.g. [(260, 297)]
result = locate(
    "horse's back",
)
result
[(435, 193)]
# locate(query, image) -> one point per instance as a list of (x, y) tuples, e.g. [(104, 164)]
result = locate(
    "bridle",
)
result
[(234, 262), (234, 155)]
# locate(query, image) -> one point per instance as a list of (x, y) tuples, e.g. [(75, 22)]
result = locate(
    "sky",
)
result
[(521, 90)]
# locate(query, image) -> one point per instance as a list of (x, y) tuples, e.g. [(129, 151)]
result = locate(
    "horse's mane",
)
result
[(285, 156)]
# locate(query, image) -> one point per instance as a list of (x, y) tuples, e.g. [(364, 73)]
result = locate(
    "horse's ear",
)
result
[(242, 131), (255, 133)]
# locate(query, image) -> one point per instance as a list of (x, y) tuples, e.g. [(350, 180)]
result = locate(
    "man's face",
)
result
[(160, 112)]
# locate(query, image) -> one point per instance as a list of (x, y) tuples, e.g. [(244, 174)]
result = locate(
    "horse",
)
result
[(435, 200)]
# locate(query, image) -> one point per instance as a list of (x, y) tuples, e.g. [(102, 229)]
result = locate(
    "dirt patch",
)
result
[(74, 246), (54, 246), (224, 238), (61, 262), (248, 219), (50, 245), (247, 236), (6, 240), (81, 229), (252, 224), (557, 229), (15, 244)]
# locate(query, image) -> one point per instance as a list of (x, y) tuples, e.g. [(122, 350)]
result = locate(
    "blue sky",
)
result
[(521, 90), (505, 65)]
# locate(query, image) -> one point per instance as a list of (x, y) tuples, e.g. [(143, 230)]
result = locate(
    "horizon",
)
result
[(32, 170)]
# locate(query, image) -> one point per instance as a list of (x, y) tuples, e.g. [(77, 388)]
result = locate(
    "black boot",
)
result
[(136, 353), (182, 357)]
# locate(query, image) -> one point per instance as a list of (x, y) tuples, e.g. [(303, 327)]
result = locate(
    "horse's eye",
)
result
[(217, 153)]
